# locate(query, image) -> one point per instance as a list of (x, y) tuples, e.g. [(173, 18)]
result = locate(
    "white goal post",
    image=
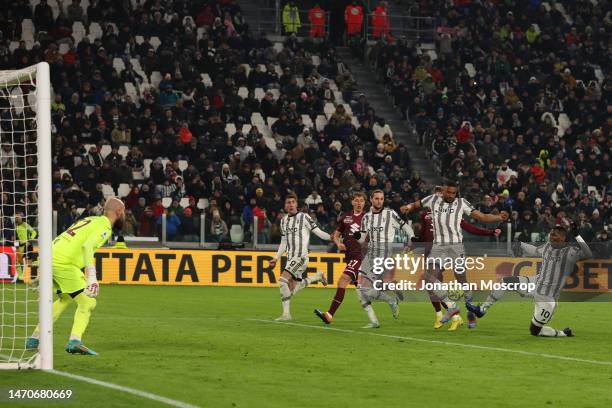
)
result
[(25, 217)]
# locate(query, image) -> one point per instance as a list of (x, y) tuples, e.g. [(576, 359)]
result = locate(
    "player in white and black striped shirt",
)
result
[(447, 210), (295, 229), (378, 226), (558, 262)]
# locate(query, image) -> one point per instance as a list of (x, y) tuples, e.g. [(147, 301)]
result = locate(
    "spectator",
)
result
[(218, 228)]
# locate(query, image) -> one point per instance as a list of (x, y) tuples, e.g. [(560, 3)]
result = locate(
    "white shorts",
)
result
[(367, 269), (440, 252), (543, 310), (297, 266)]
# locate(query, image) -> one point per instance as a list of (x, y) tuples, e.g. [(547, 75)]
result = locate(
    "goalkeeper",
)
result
[(25, 251), (73, 252)]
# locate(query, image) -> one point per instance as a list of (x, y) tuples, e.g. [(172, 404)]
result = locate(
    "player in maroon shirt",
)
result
[(347, 224), (427, 236)]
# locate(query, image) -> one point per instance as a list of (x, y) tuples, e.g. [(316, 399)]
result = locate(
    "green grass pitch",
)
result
[(197, 345)]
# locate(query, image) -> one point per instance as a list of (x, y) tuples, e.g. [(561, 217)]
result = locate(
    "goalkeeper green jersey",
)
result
[(76, 246)]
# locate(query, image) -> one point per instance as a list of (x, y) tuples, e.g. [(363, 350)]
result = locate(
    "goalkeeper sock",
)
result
[(85, 305), (60, 304), (285, 292)]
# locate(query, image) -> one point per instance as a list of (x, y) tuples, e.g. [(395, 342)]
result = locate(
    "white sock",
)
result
[(285, 292), (365, 303), (371, 315), (456, 317), (439, 314), (74, 337)]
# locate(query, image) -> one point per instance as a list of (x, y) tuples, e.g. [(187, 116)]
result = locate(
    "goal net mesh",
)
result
[(18, 215)]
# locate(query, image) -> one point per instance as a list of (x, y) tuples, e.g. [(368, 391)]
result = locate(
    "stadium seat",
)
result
[(469, 67), (247, 68), (275, 93), (184, 202), (65, 171), (95, 30), (278, 70), (237, 234), (156, 78), (78, 27), (262, 68), (130, 90), (80, 211), (257, 119), (278, 46), (230, 129), (105, 150), (320, 122), (139, 39), (119, 65), (206, 80), (202, 203), (271, 121), (13, 46), (64, 48), (329, 109), (123, 150), (307, 121), (108, 191), (123, 190), (166, 202), (243, 92), (147, 167), (259, 94), (201, 32), (432, 54), (183, 164), (316, 60), (88, 146), (155, 42), (89, 109)]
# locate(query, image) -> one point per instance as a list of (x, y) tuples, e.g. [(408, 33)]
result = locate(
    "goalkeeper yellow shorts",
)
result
[(68, 278)]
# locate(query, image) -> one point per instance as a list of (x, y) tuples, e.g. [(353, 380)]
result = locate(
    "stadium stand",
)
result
[(178, 105), (514, 104)]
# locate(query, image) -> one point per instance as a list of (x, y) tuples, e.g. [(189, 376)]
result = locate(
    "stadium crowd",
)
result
[(164, 78), (514, 104), (198, 51)]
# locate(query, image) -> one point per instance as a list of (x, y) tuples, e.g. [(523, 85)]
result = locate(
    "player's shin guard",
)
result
[(337, 301), (285, 292), (85, 305), (366, 303)]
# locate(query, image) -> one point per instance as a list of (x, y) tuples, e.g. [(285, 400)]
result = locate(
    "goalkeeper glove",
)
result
[(92, 288)]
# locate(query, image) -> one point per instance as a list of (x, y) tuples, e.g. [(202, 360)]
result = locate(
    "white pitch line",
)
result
[(445, 343), (128, 390)]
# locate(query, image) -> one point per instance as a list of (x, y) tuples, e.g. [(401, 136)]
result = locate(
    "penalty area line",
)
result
[(440, 342), (127, 390)]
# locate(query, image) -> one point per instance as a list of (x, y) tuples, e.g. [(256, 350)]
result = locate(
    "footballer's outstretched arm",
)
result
[(503, 216), (321, 234), (585, 251), (405, 209)]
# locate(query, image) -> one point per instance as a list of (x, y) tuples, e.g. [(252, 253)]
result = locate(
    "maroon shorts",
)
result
[(352, 270)]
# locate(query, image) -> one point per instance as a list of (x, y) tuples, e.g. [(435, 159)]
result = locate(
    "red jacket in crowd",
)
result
[(353, 16), (316, 16)]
